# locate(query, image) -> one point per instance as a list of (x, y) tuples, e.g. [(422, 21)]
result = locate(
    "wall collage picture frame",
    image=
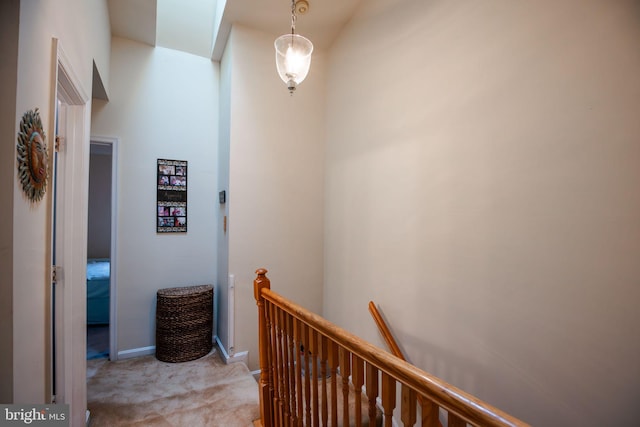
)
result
[(171, 209)]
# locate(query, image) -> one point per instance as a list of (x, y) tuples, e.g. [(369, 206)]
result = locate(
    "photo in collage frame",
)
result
[(171, 209)]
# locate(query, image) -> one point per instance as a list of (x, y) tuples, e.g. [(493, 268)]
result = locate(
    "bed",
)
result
[(98, 287)]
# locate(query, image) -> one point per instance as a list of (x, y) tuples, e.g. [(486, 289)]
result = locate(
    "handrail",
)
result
[(445, 395), (385, 332)]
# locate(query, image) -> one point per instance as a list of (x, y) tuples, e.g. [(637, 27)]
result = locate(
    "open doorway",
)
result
[(101, 250)]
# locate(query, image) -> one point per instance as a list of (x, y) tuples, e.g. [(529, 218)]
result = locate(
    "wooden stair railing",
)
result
[(313, 373)]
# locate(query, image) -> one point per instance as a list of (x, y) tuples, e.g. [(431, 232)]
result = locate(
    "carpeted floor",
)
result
[(146, 392)]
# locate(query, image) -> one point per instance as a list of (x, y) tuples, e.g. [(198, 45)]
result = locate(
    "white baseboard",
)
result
[(242, 356), (136, 352)]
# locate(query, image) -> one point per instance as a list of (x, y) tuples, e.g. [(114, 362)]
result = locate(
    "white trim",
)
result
[(221, 31), (137, 352), (70, 229), (231, 304), (222, 349), (242, 356), (73, 91), (113, 285)]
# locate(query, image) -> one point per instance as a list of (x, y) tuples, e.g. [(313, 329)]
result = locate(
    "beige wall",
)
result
[(482, 171), (162, 105), (98, 16), (81, 32), (276, 181)]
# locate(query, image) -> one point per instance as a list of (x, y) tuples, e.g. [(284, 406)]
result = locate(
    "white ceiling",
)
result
[(188, 25)]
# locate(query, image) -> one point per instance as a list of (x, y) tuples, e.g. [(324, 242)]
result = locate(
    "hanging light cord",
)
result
[(293, 17)]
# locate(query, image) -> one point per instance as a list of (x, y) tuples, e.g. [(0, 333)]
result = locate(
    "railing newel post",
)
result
[(266, 399)]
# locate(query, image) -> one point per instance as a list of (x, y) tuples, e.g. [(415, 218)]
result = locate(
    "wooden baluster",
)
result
[(293, 388), (273, 360), (297, 326), (291, 360), (357, 378), (307, 375), (388, 398), (262, 282), (323, 374), (279, 374), (408, 406), (274, 371), (372, 392), (345, 372), (272, 363), (430, 413), (314, 377), (333, 364), (271, 343), (455, 421), (284, 360)]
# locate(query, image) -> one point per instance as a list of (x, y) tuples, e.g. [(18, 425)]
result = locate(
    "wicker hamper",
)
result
[(184, 323)]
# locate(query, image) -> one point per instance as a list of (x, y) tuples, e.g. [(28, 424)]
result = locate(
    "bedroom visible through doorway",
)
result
[(100, 268)]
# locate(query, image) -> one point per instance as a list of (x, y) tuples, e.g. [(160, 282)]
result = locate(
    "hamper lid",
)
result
[(184, 290)]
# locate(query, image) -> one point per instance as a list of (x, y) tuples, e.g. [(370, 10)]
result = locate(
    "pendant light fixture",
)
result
[(293, 51)]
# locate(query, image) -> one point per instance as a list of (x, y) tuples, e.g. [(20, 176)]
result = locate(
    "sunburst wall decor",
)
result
[(32, 156)]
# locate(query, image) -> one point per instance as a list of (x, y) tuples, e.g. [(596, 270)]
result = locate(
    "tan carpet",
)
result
[(146, 392)]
